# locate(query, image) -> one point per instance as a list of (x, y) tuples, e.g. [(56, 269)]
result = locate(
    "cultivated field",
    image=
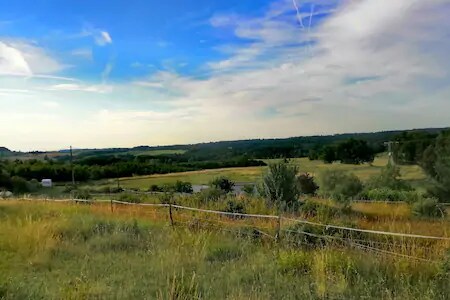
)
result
[(74, 251), (413, 173)]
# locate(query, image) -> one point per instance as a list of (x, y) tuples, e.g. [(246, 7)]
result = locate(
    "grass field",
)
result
[(64, 251), (412, 173)]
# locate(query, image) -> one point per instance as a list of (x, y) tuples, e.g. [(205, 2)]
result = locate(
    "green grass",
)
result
[(59, 251), (413, 173)]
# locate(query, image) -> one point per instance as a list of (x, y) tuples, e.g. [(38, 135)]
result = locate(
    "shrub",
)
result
[(389, 178), (222, 183), (235, 207), (68, 188), (340, 186), (249, 189), (320, 210), (279, 185), (155, 188), (183, 187), (19, 185), (428, 207), (386, 194), (81, 194), (306, 184), (33, 185)]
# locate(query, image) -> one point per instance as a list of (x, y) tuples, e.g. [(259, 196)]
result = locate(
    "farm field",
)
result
[(68, 251), (411, 173)]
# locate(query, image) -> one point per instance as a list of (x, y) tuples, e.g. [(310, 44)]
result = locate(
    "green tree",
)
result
[(222, 183), (354, 152), (328, 154), (279, 185), (436, 163)]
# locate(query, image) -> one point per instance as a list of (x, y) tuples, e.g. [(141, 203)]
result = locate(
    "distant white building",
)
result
[(46, 183)]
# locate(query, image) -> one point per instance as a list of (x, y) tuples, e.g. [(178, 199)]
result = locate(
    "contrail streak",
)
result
[(299, 18), (310, 17)]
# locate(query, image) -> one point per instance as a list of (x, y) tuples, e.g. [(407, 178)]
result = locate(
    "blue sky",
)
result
[(116, 73)]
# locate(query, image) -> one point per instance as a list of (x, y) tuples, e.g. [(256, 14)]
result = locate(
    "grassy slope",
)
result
[(57, 251), (252, 174)]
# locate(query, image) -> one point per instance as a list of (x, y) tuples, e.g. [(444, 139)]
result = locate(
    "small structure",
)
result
[(46, 183)]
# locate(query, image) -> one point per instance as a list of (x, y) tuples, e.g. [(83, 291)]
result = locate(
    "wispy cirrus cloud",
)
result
[(360, 66), (101, 36), (22, 58), (73, 87), (84, 53), (366, 58)]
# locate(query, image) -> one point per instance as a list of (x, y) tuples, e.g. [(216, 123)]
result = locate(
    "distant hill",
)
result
[(252, 148), (5, 150)]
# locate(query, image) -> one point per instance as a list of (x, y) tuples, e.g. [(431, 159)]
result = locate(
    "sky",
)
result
[(96, 74)]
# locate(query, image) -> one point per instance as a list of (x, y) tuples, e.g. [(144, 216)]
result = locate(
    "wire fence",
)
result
[(236, 222)]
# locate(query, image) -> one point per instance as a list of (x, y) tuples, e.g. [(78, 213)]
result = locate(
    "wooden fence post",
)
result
[(111, 204), (278, 237), (170, 214)]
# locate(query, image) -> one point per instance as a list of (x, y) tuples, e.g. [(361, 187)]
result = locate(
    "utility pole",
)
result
[(71, 166), (391, 152), (118, 179)]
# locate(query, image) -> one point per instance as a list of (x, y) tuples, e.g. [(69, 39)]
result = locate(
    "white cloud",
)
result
[(20, 58), (12, 61), (72, 87), (368, 62), (107, 71), (369, 65), (85, 53), (102, 38)]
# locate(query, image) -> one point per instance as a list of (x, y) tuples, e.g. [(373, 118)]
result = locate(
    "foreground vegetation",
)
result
[(54, 251)]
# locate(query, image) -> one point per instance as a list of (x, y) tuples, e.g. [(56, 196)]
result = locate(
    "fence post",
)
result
[(111, 204), (170, 214), (278, 237)]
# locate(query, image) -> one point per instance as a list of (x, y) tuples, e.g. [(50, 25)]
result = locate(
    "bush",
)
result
[(82, 194), (183, 187), (429, 207), (68, 188), (19, 185), (306, 184), (280, 187), (389, 178), (340, 186), (249, 189), (386, 194), (235, 207), (155, 188), (33, 185), (222, 183)]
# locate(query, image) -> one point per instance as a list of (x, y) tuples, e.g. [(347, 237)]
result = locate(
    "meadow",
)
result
[(73, 251), (411, 173)]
